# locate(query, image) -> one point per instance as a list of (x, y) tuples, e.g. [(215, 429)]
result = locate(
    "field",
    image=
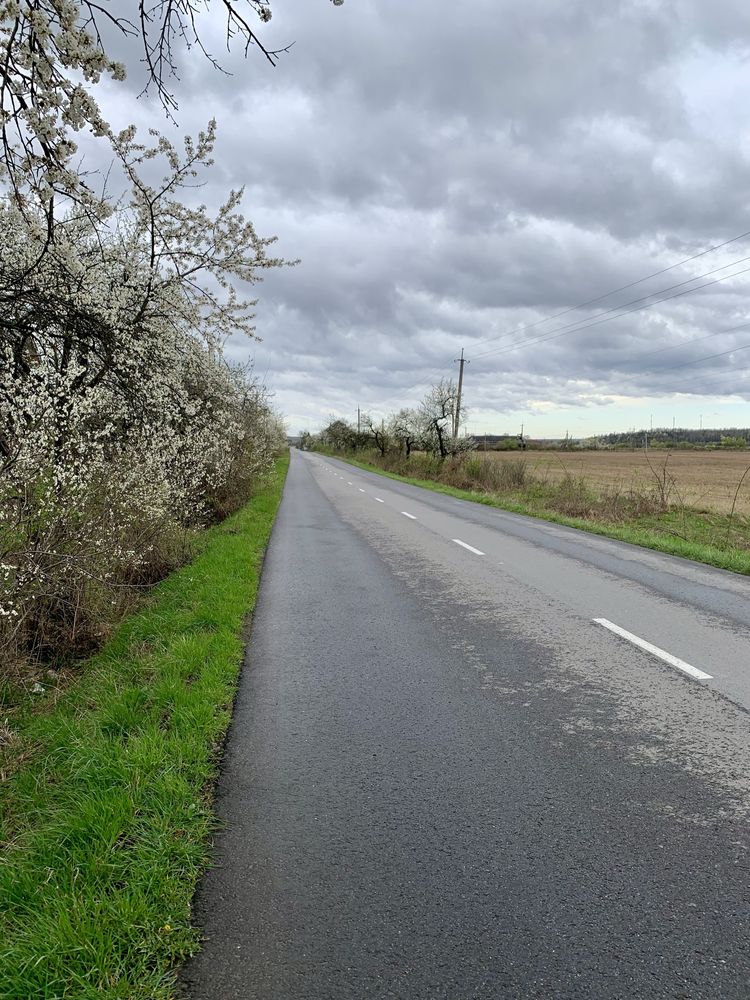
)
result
[(706, 480)]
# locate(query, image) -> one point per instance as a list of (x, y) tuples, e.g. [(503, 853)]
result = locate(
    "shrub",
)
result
[(122, 427), (514, 474)]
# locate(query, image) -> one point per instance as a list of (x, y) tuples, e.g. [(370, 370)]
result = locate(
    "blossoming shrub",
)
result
[(122, 427)]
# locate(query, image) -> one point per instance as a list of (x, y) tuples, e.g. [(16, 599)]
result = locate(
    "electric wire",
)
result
[(614, 291), (555, 334), (600, 298), (604, 315)]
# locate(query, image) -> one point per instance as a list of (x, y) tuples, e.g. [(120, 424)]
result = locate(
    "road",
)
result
[(448, 777)]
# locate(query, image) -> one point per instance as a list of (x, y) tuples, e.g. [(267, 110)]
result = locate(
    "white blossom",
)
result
[(121, 425)]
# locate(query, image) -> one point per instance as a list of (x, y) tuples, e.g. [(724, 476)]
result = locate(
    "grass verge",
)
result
[(106, 801), (684, 532)]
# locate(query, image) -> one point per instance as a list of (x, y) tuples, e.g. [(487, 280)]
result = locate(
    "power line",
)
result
[(710, 377), (572, 328), (685, 364), (425, 381), (692, 361), (594, 320), (693, 340), (614, 291), (575, 327), (695, 361), (621, 379)]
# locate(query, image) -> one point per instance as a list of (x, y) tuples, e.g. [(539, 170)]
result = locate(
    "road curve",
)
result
[(449, 777)]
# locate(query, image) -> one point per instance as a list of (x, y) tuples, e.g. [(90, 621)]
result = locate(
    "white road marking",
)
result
[(379, 500), (348, 483), (674, 661), (469, 547), (407, 514), (361, 490)]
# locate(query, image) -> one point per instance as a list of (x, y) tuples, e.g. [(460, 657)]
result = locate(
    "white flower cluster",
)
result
[(48, 46), (121, 424), (54, 49)]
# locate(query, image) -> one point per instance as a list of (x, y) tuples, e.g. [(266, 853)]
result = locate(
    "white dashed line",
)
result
[(469, 547), (379, 500), (407, 514), (348, 483), (361, 490), (674, 661)]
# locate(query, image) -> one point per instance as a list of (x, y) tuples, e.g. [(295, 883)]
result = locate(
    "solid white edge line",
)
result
[(469, 547), (407, 514), (379, 500), (649, 647)]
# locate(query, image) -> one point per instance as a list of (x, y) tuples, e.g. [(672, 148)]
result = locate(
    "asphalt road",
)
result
[(446, 778)]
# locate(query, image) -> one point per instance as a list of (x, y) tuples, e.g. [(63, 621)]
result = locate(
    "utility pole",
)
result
[(358, 421), (457, 412)]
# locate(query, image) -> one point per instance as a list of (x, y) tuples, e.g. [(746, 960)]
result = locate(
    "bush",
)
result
[(122, 427), (514, 474)]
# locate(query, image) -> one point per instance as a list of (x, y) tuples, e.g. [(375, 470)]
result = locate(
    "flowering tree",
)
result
[(435, 412), (121, 426), (406, 429), (53, 51)]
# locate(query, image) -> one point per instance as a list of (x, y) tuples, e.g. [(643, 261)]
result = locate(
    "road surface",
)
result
[(479, 756)]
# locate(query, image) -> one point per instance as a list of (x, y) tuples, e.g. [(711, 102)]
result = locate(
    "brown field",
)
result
[(706, 480)]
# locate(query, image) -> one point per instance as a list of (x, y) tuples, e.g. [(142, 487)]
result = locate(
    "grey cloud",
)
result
[(450, 174)]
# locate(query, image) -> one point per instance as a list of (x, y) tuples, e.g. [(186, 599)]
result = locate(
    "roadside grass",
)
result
[(709, 537), (106, 797)]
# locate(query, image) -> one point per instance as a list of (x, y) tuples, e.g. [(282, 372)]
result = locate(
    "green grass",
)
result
[(107, 803), (697, 535)]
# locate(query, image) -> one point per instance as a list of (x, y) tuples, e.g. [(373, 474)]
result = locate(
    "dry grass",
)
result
[(704, 480)]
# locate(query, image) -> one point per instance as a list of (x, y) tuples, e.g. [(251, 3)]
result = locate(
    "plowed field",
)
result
[(707, 480)]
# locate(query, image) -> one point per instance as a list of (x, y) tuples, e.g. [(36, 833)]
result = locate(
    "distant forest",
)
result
[(659, 437), (724, 437)]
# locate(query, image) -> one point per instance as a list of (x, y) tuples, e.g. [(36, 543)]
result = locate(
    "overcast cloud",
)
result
[(448, 174)]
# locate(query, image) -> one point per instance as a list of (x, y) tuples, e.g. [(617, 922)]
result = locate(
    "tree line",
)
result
[(431, 427), (676, 437), (123, 425)]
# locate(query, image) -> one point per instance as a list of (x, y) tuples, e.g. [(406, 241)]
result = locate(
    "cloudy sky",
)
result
[(485, 176)]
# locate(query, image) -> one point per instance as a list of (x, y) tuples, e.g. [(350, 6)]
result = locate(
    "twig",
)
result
[(734, 504)]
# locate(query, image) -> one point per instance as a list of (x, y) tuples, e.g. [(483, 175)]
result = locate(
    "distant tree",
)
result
[(506, 444), (436, 416), (405, 429), (378, 432), (338, 435)]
